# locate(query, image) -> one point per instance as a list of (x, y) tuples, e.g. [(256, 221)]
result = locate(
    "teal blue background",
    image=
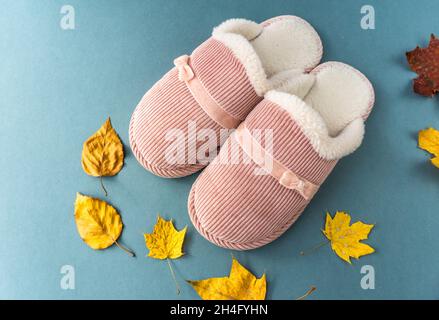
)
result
[(57, 87)]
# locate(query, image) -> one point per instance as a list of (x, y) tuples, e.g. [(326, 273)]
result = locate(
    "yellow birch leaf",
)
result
[(98, 223), (165, 242), (102, 153), (428, 140), (345, 238), (241, 284)]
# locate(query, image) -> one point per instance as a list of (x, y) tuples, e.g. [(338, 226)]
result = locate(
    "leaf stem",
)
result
[(102, 185), (173, 276), (303, 253), (311, 290), (130, 252)]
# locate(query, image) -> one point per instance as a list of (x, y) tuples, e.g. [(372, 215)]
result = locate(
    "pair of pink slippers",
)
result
[(294, 121)]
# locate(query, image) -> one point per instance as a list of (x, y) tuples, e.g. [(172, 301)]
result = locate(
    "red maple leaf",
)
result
[(425, 62)]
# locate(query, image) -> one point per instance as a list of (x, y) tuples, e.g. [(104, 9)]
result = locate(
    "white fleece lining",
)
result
[(315, 129), (336, 100), (271, 52), (300, 85), (340, 94)]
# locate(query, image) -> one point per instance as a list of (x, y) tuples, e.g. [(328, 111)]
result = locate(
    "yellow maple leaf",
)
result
[(428, 140), (165, 242), (345, 239), (102, 153), (241, 284), (98, 223)]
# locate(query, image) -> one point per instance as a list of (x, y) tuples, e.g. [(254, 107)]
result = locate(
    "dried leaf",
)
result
[(425, 62), (165, 242), (102, 153), (239, 285), (428, 140), (98, 223), (345, 239)]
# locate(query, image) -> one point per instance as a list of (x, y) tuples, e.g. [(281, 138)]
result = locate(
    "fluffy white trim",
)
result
[(271, 56), (315, 129), (243, 50), (248, 29)]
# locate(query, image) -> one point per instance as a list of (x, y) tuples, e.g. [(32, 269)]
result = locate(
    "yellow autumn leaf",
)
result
[(165, 242), (98, 223), (345, 238), (428, 140), (102, 153), (241, 284), (435, 161)]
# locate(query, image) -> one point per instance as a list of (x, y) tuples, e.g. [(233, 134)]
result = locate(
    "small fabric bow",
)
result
[(291, 181), (185, 72)]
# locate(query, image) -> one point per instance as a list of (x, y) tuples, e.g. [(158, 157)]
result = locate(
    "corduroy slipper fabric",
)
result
[(233, 205), (216, 87)]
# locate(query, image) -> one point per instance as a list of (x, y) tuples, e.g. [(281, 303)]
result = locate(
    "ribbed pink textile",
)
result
[(170, 105), (234, 208)]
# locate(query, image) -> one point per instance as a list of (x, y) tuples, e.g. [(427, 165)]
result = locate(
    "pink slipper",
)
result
[(215, 88), (253, 191)]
